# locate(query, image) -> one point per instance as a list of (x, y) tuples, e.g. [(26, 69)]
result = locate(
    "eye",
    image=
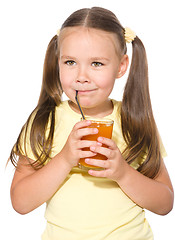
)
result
[(70, 63), (97, 64)]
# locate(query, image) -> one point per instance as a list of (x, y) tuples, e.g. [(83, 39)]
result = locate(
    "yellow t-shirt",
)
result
[(91, 208)]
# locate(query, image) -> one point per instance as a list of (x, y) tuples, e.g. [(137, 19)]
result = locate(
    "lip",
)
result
[(86, 91)]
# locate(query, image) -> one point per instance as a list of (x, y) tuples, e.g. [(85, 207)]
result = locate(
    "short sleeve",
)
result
[(24, 144), (162, 148)]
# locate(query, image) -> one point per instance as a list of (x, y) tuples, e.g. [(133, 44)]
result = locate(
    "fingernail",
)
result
[(92, 148), (95, 130), (88, 121), (100, 139), (99, 144)]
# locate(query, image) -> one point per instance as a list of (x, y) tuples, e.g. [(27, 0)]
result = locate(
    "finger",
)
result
[(99, 173), (86, 131), (108, 142), (87, 144), (86, 154), (82, 124), (98, 163), (102, 150)]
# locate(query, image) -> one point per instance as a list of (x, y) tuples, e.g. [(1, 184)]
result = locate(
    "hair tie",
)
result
[(129, 35), (58, 32)]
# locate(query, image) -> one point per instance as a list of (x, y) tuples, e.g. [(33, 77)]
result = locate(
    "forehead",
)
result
[(90, 39)]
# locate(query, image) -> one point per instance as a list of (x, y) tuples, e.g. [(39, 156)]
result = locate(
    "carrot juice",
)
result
[(105, 128)]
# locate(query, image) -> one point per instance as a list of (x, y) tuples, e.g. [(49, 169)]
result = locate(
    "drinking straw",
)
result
[(76, 98)]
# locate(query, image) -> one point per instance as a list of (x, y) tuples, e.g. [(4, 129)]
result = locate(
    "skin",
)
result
[(89, 62)]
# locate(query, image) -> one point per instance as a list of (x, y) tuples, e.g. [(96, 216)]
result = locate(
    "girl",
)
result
[(87, 56)]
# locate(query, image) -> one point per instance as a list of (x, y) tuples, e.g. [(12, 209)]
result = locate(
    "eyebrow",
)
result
[(99, 58), (93, 58), (67, 57)]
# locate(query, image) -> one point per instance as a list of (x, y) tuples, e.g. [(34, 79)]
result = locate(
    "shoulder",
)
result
[(62, 111), (116, 111), (62, 108), (117, 106), (116, 103), (65, 117)]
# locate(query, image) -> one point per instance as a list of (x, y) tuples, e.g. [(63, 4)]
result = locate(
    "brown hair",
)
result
[(137, 121)]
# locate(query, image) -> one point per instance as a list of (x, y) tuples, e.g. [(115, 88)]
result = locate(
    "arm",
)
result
[(155, 195), (31, 188)]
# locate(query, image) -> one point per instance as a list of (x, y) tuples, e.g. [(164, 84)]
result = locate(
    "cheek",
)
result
[(106, 81), (65, 78), (65, 84), (107, 76)]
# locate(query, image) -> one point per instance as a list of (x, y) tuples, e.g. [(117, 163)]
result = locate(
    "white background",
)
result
[(26, 29)]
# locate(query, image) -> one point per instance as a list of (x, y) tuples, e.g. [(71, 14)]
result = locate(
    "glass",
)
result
[(105, 127)]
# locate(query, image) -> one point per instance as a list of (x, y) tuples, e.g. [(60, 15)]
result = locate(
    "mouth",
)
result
[(85, 91)]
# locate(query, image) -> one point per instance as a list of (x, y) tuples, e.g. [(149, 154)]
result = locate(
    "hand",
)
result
[(115, 165), (73, 148)]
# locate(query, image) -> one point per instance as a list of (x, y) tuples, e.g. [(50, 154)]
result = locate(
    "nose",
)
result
[(82, 76)]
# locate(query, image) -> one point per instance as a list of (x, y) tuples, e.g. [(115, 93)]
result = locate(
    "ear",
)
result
[(123, 66)]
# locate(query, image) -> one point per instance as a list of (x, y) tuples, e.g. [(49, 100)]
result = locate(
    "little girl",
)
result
[(87, 55)]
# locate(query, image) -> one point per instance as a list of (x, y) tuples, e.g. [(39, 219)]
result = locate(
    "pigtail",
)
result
[(51, 87), (44, 114), (138, 124), (137, 121)]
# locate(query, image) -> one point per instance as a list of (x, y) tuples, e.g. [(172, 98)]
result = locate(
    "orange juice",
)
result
[(105, 128)]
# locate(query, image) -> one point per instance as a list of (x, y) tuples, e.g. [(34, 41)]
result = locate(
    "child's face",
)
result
[(89, 63)]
